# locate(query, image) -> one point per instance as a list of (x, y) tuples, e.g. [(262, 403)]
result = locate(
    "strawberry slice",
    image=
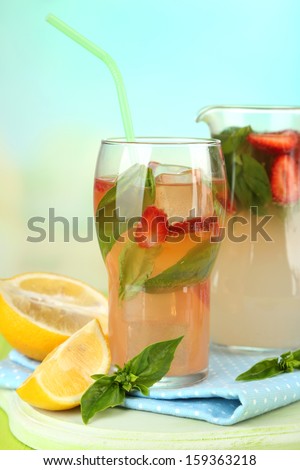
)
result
[(194, 224), (152, 230), (276, 142), (295, 153), (285, 180), (102, 185), (231, 206)]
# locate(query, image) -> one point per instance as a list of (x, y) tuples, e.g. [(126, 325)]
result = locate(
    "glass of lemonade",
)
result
[(159, 208), (256, 280)]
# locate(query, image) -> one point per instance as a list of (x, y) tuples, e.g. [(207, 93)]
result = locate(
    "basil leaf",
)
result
[(233, 137), (233, 168), (123, 376), (289, 366), (103, 394), (251, 183), (247, 177), (133, 191), (194, 267), (262, 370), (109, 223), (288, 361), (287, 357), (233, 140), (153, 362), (296, 364), (142, 388), (139, 373), (150, 183), (135, 267), (218, 206), (98, 376), (273, 366), (296, 355), (257, 180), (242, 191)]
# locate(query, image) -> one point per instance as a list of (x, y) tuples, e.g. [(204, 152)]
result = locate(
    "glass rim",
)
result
[(163, 141)]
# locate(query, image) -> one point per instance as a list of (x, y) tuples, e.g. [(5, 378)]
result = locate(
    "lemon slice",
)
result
[(65, 374), (38, 311)]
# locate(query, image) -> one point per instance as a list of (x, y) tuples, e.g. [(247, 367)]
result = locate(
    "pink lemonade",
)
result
[(167, 293), (256, 282)]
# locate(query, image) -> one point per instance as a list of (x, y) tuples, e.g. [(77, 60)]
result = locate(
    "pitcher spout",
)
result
[(213, 116), (206, 114), (221, 117)]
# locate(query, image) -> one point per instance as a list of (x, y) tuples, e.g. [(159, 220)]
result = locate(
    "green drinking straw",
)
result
[(111, 64)]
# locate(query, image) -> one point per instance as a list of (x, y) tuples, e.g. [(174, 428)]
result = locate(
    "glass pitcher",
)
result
[(256, 280)]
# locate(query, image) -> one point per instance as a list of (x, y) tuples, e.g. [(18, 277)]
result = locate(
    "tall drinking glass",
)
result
[(159, 206)]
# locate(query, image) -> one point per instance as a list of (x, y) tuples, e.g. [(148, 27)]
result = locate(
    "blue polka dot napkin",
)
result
[(218, 399)]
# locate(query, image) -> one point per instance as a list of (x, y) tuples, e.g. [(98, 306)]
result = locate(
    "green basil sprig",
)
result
[(135, 267), (134, 191), (271, 367), (144, 370), (246, 168), (194, 267)]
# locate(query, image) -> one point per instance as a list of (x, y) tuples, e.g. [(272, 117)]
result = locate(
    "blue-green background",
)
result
[(57, 102)]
